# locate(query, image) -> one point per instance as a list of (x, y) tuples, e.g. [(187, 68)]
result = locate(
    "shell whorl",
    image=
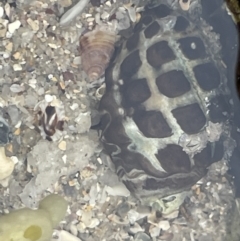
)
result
[(97, 48)]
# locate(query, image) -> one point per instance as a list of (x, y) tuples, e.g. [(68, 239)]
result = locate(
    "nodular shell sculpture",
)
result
[(97, 47)]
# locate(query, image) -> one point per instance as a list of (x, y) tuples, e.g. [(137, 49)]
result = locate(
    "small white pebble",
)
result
[(79, 213), (53, 46), (87, 15), (48, 98), (12, 27), (17, 67), (6, 55), (108, 3), (50, 76), (18, 124), (14, 159), (99, 160), (64, 158)]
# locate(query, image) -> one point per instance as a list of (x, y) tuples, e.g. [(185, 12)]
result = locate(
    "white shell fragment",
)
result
[(12, 27), (6, 165), (73, 12), (118, 190), (1, 12), (7, 9), (17, 67)]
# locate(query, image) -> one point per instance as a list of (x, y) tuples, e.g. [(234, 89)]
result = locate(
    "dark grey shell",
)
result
[(167, 101)]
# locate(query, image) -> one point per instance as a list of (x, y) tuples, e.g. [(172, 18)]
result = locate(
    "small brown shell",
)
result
[(97, 48)]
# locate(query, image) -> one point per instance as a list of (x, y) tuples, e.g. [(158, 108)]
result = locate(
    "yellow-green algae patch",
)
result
[(33, 225)]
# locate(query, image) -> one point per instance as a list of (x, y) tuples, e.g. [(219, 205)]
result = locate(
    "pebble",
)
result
[(7, 10), (17, 67), (34, 24), (6, 165), (133, 216), (87, 218), (136, 228), (164, 225), (49, 98), (141, 237), (9, 46), (66, 236), (73, 229), (17, 55), (12, 27), (77, 60), (52, 45), (16, 88), (105, 15), (65, 3), (94, 223), (62, 145), (3, 32), (154, 231)]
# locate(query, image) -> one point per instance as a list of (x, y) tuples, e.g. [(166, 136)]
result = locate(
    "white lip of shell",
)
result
[(148, 147)]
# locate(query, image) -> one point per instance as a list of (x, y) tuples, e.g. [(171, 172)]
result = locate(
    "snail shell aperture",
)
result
[(97, 48)]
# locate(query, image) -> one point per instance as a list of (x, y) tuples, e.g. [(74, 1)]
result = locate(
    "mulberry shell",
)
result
[(97, 48)]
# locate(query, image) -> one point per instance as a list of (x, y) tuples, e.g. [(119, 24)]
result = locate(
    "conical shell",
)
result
[(97, 48)]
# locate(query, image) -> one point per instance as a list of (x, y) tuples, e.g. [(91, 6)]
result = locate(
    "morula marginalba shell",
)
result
[(97, 48)]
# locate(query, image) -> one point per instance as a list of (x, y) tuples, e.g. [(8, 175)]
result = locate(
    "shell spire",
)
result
[(97, 47)]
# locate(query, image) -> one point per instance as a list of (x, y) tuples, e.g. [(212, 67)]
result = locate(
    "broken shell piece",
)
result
[(51, 117), (6, 165), (100, 91), (73, 12), (97, 48)]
